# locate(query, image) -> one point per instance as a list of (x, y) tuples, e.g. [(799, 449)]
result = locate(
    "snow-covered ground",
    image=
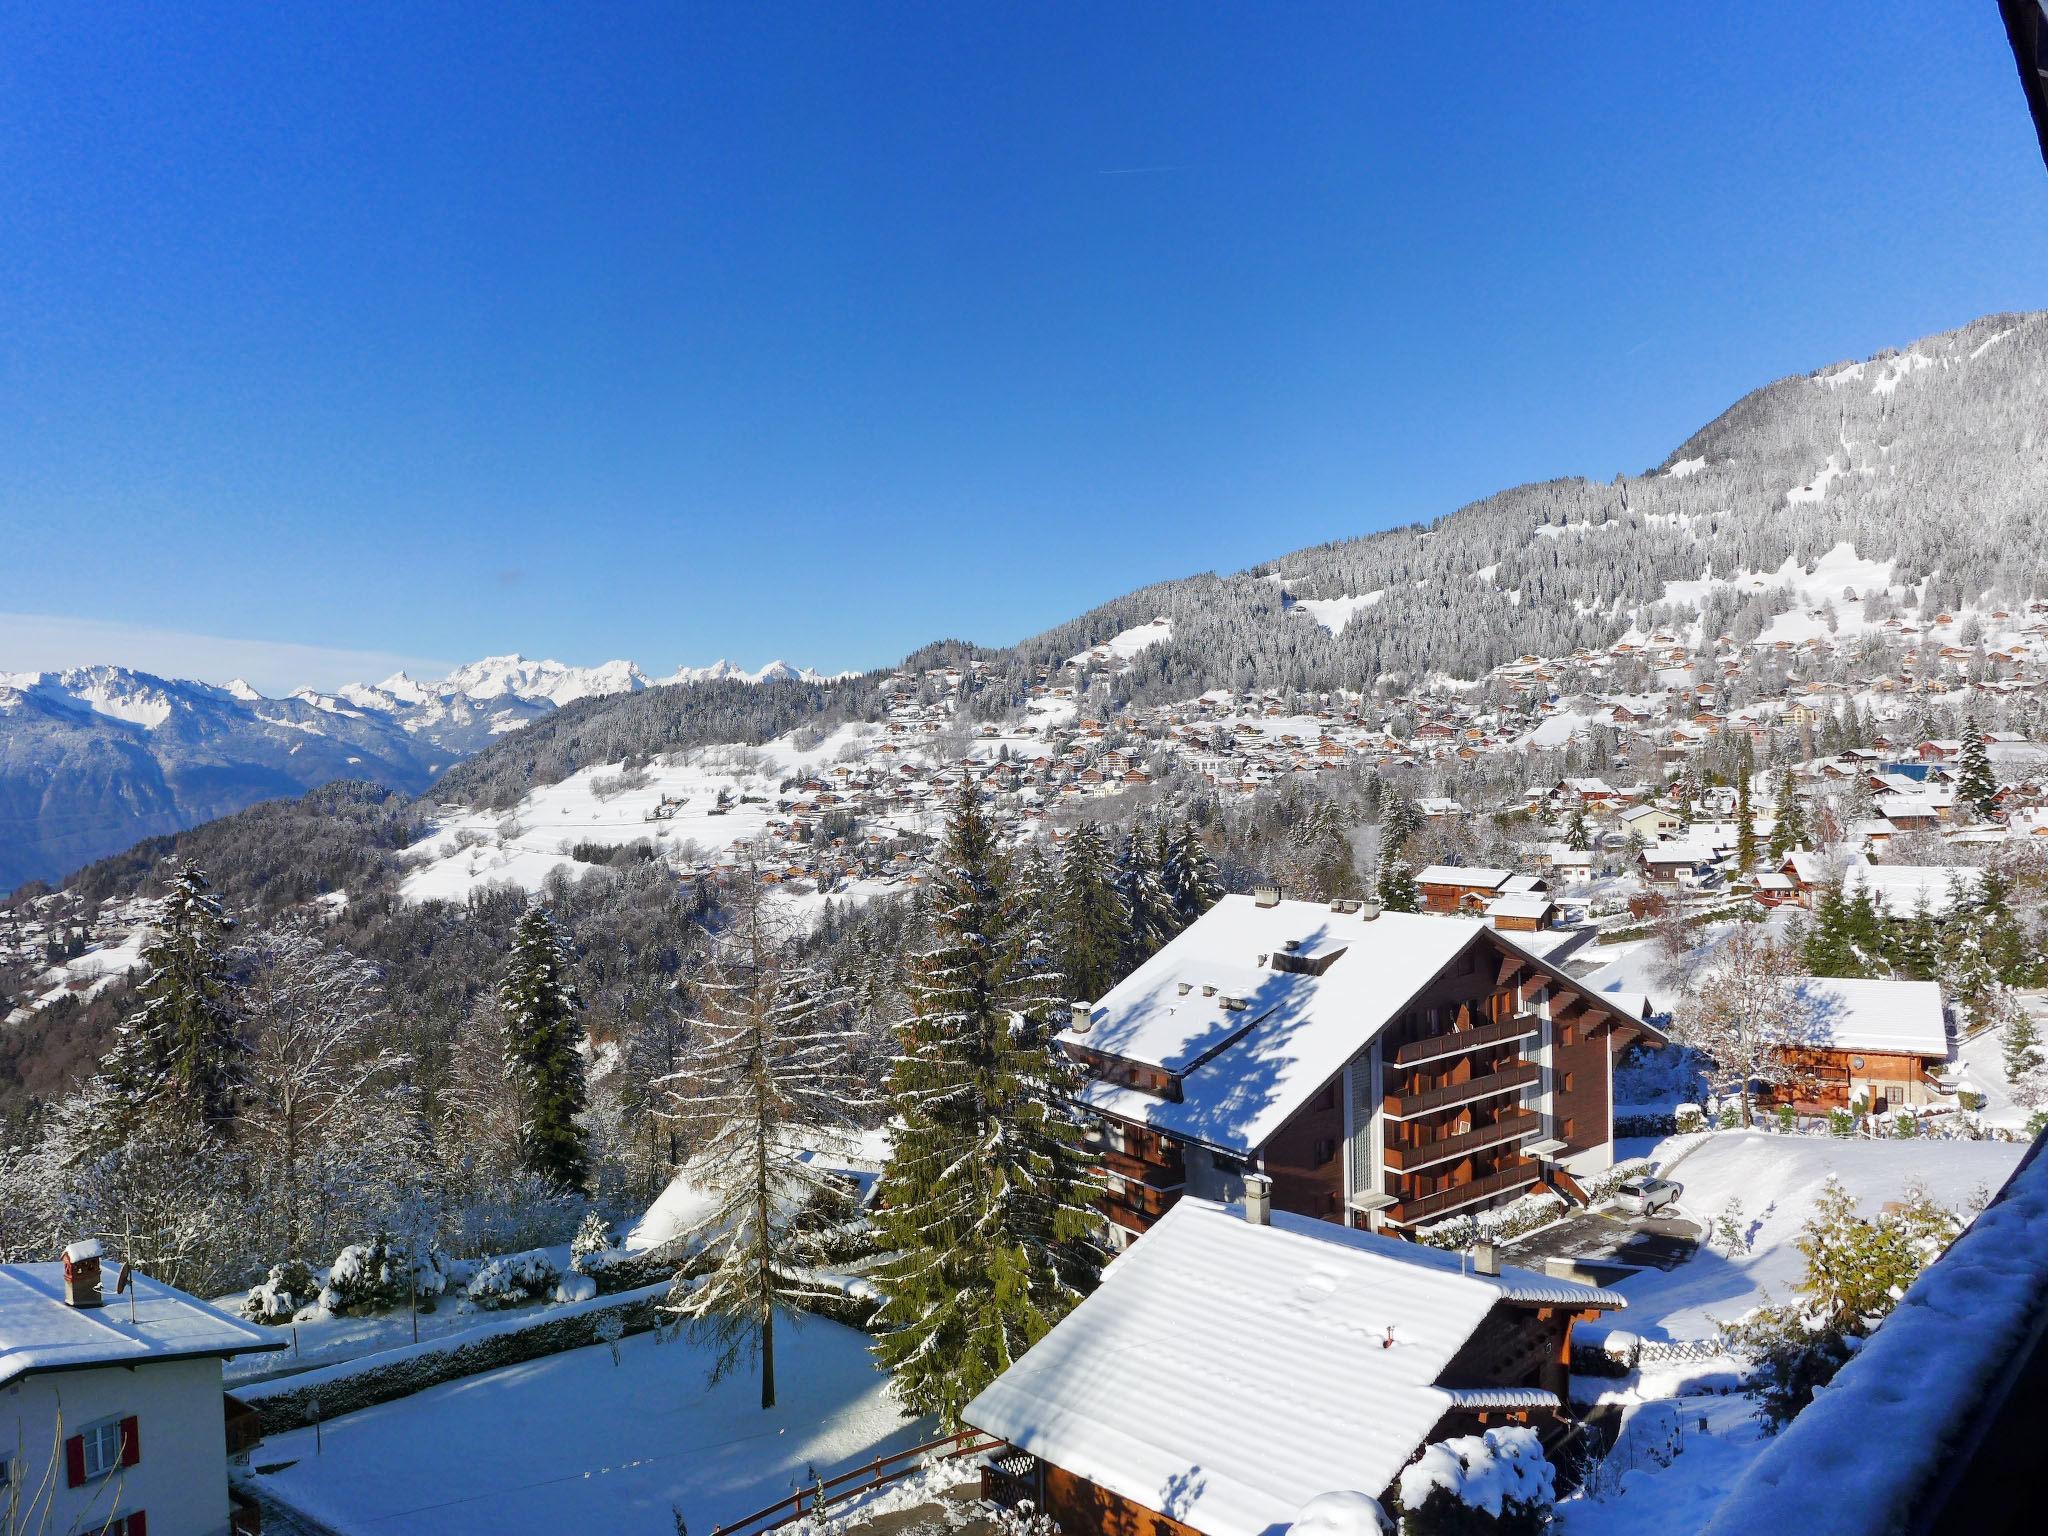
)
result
[(1776, 1179), (1333, 613), (575, 1443), (1688, 1432)]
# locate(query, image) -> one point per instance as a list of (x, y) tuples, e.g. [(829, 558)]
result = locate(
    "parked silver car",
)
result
[(1647, 1196)]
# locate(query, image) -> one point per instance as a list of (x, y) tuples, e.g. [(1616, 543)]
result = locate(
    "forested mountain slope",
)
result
[(1933, 458)]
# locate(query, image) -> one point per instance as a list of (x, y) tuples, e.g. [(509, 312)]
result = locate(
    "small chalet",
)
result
[(1233, 1366), (1874, 1043), (1457, 888), (1381, 1069), (134, 1382)]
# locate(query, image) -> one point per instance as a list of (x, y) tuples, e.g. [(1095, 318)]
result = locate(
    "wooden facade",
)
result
[(1457, 1067)]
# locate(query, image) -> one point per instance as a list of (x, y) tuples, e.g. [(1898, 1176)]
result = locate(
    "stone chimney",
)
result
[(1485, 1258), (82, 1274), (1267, 895), (1084, 1017), (1258, 1199)]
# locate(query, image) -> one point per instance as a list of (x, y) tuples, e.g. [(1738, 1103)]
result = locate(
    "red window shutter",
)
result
[(74, 1459), (131, 1442), (138, 1524)]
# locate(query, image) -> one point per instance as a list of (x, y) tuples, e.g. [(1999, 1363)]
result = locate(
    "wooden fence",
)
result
[(877, 1473)]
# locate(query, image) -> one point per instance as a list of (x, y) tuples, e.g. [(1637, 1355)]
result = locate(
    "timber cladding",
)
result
[(1082, 1508)]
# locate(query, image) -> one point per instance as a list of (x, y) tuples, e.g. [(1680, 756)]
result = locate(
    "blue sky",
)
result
[(675, 332)]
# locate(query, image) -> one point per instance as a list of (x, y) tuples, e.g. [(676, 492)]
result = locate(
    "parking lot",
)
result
[(1609, 1237)]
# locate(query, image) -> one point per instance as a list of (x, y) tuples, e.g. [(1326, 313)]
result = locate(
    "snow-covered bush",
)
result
[(1343, 1513), (513, 1279), (367, 1277), (1603, 1187), (1474, 1485), (288, 1287), (1025, 1519), (575, 1287), (1857, 1268), (1515, 1219), (594, 1235), (1689, 1118)]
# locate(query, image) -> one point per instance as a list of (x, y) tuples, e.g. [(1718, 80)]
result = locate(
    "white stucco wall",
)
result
[(181, 1480)]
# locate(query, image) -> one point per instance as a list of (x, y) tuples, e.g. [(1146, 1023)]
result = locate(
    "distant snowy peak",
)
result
[(115, 692), (777, 671), (497, 676)]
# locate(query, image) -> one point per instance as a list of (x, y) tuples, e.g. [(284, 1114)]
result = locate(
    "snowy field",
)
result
[(576, 1443), (1777, 1179)]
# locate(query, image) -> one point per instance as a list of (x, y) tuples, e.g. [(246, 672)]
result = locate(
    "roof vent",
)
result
[(1368, 910), (1291, 945), (1233, 1004), (1084, 1018), (82, 1274), (1182, 989), (1208, 989), (1267, 895)]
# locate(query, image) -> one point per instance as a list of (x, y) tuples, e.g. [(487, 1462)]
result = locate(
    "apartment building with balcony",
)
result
[(1380, 1070)]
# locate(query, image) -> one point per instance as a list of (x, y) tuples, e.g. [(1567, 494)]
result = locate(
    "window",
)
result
[(102, 1448), (1326, 1150)]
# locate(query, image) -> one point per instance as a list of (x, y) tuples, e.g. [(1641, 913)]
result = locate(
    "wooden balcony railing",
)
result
[(1512, 1126), (1457, 1042), (1164, 1168), (1406, 1106), (1458, 1196), (1136, 1206)]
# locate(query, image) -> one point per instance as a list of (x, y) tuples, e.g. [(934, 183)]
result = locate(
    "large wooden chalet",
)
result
[(1382, 1070), (1236, 1364)]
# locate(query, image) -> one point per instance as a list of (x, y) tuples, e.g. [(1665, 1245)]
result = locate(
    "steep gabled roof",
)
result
[(1243, 1073), (1183, 1384)]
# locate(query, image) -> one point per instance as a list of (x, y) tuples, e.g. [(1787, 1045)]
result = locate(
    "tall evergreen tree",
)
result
[(986, 1207), (1149, 919), (1395, 888), (1091, 918), (1830, 947), (1975, 783), (767, 1069), (1745, 821), (1191, 878), (185, 1047), (543, 1060), (1788, 832), (1577, 835)]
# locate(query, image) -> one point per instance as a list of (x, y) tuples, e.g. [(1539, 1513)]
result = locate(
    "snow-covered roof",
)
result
[(1244, 1073), (1899, 889), (40, 1332), (1463, 876), (1858, 1015), (1179, 1384), (1534, 905)]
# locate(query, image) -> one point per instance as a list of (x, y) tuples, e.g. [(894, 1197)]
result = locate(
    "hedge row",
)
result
[(295, 1401)]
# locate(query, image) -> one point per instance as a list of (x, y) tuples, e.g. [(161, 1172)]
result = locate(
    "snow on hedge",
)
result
[(1484, 1472)]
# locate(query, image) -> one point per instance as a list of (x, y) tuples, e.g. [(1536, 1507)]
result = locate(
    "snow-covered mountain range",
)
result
[(1914, 481), (93, 759)]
